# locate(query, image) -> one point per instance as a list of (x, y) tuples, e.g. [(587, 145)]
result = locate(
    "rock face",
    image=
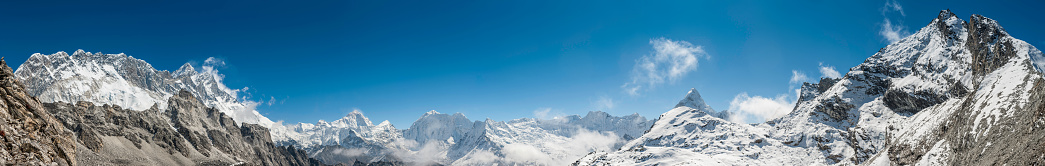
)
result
[(29, 135), (954, 93), (187, 133)]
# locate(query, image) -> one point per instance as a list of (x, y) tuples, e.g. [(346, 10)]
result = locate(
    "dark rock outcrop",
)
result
[(188, 133), (29, 135)]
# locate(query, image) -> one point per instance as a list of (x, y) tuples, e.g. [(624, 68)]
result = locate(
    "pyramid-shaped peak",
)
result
[(693, 100), (80, 52), (354, 118), (185, 69), (945, 14)]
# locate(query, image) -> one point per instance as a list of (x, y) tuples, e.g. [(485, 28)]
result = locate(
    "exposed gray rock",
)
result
[(29, 135), (188, 133)]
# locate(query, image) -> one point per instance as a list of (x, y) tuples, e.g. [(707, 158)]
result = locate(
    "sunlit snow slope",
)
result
[(954, 93)]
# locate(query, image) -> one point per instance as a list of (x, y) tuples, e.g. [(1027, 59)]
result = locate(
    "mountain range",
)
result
[(122, 82), (956, 92)]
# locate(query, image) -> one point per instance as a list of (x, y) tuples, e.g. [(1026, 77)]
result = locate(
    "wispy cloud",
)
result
[(547, 113), (604, 103), (798, 77), (893, 6), (829, 71), (669, 61), (889, 30)]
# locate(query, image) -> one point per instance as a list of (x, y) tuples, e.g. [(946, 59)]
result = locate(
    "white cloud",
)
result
[(546, 113), (585, 141), (890, 31), (829, 71), (580, 143), (757, 109), (349, 152), (604, 103), (523, 153), (478, 157), (893, 5), (798, 77), (669, 61), (431, 153)]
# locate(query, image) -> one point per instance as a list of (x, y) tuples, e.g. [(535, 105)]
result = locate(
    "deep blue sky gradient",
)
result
[(395, 60)]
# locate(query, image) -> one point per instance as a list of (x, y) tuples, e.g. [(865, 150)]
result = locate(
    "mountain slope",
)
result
[(188, 133), (948, 94), (29, 135), (122, 80)]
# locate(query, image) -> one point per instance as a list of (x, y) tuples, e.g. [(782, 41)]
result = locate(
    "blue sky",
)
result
[(395, 60)]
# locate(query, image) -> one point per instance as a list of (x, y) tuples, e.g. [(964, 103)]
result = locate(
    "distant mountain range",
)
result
[(956, 92), (435, 138)]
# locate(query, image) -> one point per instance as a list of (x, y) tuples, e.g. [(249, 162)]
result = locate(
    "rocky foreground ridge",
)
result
[(187, 133), (29, 135)]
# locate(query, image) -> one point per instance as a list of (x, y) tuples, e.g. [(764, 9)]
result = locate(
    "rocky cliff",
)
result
[(187, 133), (29, 135)]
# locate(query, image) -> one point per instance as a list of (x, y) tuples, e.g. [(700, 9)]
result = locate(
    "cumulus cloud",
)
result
[(890, 31), (669, 61), (756, 109), (829, 71), (604, 103)]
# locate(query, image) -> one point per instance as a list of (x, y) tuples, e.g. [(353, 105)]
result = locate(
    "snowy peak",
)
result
[(981, 26), (353, 119), (122, 80), (693, 100), (435, 126), (946, 14), (185, 70), (81, 52)]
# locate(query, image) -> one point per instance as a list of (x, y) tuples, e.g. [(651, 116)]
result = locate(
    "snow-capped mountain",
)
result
[(953, 93), (437, 138), (119, 79)]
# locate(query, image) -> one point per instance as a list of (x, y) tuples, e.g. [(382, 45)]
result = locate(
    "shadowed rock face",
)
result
[(29, 135), (188, 133)]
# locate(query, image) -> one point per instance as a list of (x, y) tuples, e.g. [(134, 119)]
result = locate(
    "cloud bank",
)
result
[(670, 61)]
